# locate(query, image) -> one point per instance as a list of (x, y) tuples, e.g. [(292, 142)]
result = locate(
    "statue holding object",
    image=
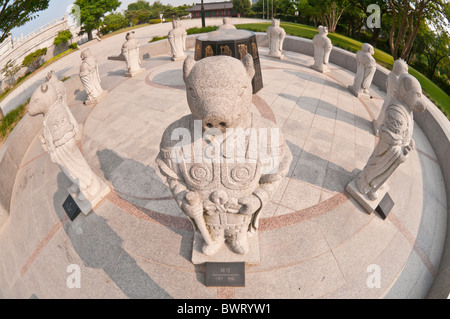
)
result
[(365, 71), (90, 77), (322, 49)]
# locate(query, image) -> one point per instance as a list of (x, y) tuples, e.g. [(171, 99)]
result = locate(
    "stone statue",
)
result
[(400, 67), (220, 175), (276, 36), (58, 139), (322, 49), (177, 40), (62, 96), (396, 141), (227, 25), (130, 51), (366, 67), (90, 78)]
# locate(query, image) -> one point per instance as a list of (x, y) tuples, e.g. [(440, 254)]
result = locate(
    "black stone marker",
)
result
[(385, 206), (225, 274), (71, 208)]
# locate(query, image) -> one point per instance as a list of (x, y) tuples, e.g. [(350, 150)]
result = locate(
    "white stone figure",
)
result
[(366, 67), (400, 67), (276, 36), (222, 195), (227, 25), (58, 139), (394, 146), (322, 49), (130, 51), (90, 78), (177, 41), (62, 95)]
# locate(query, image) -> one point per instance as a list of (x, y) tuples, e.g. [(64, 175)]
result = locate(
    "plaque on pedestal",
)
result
[(225, 274)]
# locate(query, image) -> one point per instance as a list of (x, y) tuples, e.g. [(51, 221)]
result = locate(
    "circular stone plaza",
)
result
[(315, 240)]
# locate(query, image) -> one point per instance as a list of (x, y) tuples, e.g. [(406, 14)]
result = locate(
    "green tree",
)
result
[(10, 70), (92, 13), (113, 22), (138, 12), (436, 50), (62, 37), (16, 13), (241, 6), (407, 17)]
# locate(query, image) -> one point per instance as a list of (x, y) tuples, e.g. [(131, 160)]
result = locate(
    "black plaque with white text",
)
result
[(385, 206), (225, 274), (71, 208)]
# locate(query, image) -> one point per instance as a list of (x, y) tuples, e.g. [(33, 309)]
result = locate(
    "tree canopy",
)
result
[(92, 13), (16, 13)]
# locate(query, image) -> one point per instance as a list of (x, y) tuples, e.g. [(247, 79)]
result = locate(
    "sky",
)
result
[(57, 8)]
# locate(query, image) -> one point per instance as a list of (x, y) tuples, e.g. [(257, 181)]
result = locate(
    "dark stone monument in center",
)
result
[(234, 43)]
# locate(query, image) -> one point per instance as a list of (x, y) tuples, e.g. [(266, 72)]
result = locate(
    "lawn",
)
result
[(435, 93)]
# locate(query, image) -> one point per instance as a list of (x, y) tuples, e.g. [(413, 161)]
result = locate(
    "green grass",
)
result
[(11, 119), (434, 93)]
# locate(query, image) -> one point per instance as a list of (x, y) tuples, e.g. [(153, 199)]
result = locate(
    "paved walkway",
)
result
[(315, 241)]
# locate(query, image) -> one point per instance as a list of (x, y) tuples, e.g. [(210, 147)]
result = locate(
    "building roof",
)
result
[(212, 6)]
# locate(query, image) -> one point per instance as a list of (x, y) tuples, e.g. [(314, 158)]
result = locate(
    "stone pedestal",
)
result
[(131, 74), (325, 69), (96, 100), (87, 205), (359, 95), (225, 254), (368, 204)]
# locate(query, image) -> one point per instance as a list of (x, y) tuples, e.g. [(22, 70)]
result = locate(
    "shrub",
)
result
[(33, 60), (157, 39), (155, 21), (62, 37), (201, 30), (73, 46)]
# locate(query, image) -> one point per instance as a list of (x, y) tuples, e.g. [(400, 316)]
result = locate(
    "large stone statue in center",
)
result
[(227, 25), (130, 51), (90, 77), (322, 49), (394, 146), (400, 67), (177, 41), (365, 70), (222, 162), (59, 140), (276, 36)]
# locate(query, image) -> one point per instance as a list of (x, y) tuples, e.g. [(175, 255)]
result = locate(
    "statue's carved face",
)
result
[(219, 90), (41, 100), (410, 92), (323, 30)]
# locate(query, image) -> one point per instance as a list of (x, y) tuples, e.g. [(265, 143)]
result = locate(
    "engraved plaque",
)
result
[(385, 206), (225, 274), (71, 208)]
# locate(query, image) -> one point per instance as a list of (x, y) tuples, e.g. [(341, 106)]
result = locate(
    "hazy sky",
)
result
[(57, 8)]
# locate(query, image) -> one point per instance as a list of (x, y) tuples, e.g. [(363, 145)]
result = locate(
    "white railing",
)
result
[(41, 29)]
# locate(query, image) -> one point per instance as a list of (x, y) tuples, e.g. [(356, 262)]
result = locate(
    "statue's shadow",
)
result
[(104, 250)]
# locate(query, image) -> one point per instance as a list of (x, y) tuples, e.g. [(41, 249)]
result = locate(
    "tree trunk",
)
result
[(90, 35)]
